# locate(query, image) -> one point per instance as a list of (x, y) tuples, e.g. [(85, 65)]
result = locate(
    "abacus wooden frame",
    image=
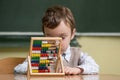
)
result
[(59, 59)]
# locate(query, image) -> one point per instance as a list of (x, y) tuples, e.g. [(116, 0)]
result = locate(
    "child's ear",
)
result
[(73, 33)]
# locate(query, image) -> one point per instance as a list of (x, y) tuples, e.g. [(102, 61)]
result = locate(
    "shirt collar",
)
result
[(68, 53)]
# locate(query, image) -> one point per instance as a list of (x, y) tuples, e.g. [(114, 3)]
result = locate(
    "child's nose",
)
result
[(62, 43)]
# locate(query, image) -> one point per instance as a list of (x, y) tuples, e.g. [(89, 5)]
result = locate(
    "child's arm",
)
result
[(21, 68), (88, 64)]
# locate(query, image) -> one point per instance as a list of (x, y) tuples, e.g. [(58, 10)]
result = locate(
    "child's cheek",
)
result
[(63, 47)]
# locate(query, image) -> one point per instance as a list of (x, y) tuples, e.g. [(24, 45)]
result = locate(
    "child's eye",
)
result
[(63, 38)]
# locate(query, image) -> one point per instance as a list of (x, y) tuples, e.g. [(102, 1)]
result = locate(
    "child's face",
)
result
[(63, 31)]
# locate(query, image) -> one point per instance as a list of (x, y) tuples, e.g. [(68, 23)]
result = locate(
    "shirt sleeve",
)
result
[(21, 68), (88, 64)]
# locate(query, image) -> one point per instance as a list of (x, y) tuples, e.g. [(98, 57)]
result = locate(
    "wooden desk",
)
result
[(7, 64), (68, 77), (7, 67)]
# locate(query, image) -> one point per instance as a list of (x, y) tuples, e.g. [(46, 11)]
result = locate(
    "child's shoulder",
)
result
[(75, 50)]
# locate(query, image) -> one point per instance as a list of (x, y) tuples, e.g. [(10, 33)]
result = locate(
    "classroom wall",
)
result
[(105, 51)]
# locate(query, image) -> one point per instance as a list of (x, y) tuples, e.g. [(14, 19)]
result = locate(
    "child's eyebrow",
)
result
[(59, 35), (63, 34)]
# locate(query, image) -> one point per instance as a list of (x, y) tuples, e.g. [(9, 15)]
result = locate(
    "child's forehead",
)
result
[(59, 34)]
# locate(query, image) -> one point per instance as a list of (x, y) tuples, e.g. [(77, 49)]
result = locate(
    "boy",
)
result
[(58, 21)]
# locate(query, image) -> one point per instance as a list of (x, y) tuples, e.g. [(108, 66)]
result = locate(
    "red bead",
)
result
[(48, 70), (34, 64), (36, 48), (54, 54)]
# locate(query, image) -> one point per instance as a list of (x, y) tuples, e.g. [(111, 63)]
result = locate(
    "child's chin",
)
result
[(62, 52)]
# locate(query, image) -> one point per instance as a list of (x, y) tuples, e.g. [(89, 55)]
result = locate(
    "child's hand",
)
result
[(70, 70)]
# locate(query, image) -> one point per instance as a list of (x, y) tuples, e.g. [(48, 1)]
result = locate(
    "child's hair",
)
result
[(54, 15)]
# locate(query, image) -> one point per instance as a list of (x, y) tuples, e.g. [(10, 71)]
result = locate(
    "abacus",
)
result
[(44, 57)]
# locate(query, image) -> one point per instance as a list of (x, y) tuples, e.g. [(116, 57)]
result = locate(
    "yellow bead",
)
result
[(35, 71)]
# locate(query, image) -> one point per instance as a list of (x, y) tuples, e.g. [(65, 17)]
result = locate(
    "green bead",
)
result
[(37, 42), (49, 64)]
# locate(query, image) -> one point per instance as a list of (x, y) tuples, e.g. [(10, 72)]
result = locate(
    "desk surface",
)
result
[(7, 67), (68, 77)]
